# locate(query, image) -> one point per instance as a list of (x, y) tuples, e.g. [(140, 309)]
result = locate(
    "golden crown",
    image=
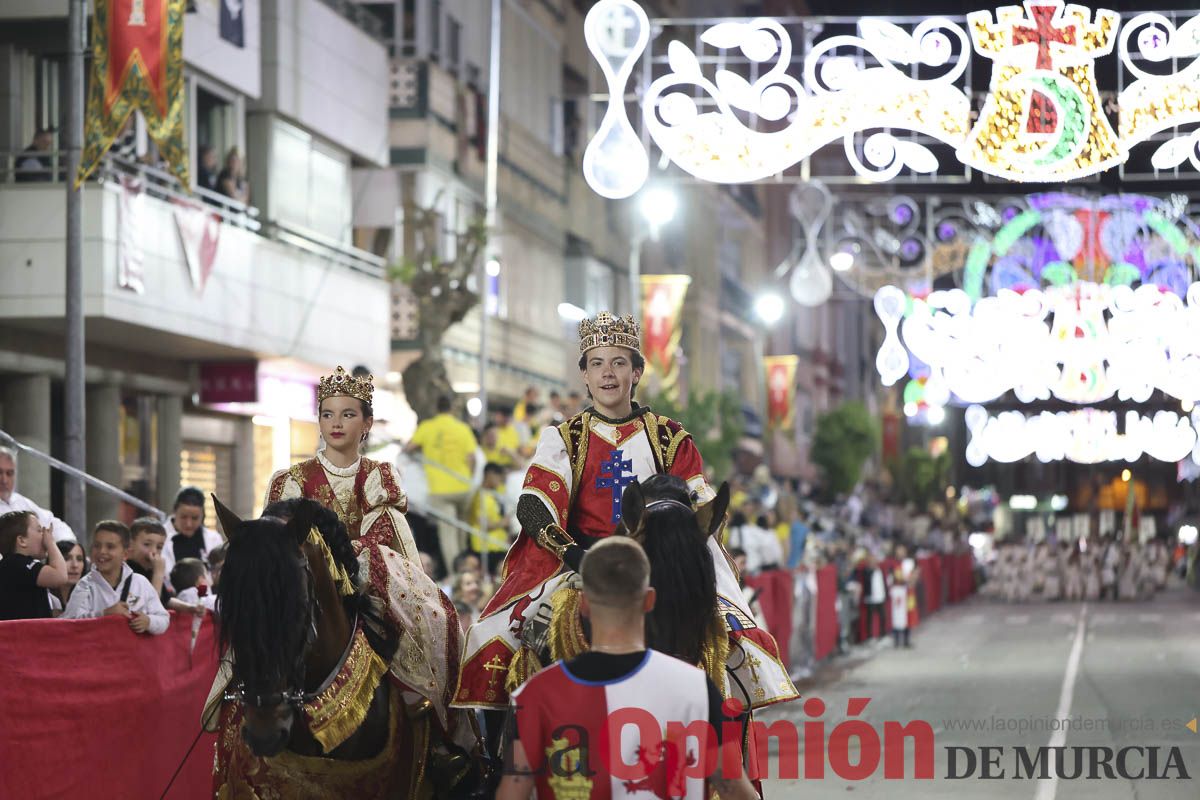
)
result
[(609, 331), (342, 383)]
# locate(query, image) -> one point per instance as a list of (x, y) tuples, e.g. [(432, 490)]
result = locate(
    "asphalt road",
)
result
[(987, 674)]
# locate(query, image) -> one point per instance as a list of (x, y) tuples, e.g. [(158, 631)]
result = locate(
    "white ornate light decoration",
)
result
[(615, 164), (1042, 118), (1081, 344), (1085, 436), (1075, 300)]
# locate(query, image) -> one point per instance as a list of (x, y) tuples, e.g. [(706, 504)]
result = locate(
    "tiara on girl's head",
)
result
[(342, 383)]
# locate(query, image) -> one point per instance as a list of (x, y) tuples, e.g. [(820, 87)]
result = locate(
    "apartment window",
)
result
[(49, 77), (571, 123), (216, 127), (453, 42), (435, 28), (407, 42)]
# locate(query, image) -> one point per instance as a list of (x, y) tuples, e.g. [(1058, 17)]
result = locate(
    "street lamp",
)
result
[(571, 312), (657, 207), (769, 308), (936, 415)]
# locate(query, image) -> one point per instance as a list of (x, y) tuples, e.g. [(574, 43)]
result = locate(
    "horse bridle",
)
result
[(293, 696)]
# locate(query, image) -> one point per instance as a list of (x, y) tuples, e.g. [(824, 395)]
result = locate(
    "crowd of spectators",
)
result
[(137, 571)]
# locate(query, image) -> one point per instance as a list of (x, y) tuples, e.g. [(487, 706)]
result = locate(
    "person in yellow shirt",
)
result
[(508, 438), (521, 412), (487, 514), (448, 446)]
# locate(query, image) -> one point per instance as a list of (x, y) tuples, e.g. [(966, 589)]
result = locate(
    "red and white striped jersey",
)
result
[(610, 740)]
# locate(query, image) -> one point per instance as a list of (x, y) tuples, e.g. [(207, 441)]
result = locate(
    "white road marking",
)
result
[(1149, 617), (1017, 619), (1063, 618), (1048, 788)]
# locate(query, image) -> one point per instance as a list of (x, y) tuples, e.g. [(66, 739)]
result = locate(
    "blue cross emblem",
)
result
[(615, 474)]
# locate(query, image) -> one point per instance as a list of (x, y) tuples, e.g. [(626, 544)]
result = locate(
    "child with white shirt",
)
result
[(112, 588)]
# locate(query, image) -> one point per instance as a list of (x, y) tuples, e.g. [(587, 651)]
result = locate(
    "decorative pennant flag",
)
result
[(662, 303), (199, 235), (137, 64), (781, 390), (132, 226)]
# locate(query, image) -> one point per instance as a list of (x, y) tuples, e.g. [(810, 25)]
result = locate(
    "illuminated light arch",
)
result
[(1041, 120)]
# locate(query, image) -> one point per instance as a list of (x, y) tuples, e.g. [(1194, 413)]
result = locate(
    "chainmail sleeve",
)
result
[(533, 515)]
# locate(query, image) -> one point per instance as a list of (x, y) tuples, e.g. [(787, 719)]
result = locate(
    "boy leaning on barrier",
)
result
[(113, 589)]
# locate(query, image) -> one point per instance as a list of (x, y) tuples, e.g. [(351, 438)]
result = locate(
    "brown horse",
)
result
[(289, 610)]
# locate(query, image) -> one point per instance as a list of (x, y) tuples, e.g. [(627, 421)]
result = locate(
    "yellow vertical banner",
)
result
[(781, 390), (137, 65), (662, 304)]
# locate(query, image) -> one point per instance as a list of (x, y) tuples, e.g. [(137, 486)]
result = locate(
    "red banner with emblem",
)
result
[(137, 65), (662, 303), (781, 390)]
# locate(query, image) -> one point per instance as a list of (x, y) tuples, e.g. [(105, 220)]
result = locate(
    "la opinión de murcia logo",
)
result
[(853, 749)]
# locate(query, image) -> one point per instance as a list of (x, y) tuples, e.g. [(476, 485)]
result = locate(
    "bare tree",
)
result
[(444, 292)]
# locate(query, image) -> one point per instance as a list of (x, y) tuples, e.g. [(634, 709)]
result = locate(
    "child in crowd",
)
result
[(186, 535), (216, 560), (24, 579), (190, 580), (112, 588), (148, 537), (77, 566)]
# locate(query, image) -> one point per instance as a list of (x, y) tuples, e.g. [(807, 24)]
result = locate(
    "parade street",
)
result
[(983, 673)]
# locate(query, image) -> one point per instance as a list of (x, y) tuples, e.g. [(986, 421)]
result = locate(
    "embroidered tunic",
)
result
[(576, 478), (365, 495)]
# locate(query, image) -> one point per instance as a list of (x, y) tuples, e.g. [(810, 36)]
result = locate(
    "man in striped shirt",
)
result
[(563, 714)]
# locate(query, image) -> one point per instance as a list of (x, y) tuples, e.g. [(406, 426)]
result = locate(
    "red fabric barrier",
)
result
[(91, 709), (931, 580), (825, 629), (776, 598)]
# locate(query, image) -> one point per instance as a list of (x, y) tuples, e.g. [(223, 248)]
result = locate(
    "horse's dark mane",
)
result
[(263, 605), (681, 572), (338, 539), (331, 528)]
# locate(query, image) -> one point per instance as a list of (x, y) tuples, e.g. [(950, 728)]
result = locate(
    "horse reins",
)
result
[(294, 697)]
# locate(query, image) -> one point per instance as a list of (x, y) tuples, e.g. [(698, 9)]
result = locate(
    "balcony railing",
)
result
[(362, 19), (50, 167)]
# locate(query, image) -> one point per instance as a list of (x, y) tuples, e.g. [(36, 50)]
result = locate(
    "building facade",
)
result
[(208, 320)]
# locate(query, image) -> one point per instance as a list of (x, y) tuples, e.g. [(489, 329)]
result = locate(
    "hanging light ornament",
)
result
[(811, 282)]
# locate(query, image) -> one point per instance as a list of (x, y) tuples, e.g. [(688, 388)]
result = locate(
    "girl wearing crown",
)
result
[(367, 498), (571, 498)]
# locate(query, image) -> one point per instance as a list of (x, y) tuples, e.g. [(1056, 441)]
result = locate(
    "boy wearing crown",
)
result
[(571, 498)]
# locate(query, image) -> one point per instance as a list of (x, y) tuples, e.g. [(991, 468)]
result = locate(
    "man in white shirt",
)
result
[(762, 547), (11, 500)]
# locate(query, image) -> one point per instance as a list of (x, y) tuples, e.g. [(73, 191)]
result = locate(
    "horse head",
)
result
[(658, 514), (268, 611)]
